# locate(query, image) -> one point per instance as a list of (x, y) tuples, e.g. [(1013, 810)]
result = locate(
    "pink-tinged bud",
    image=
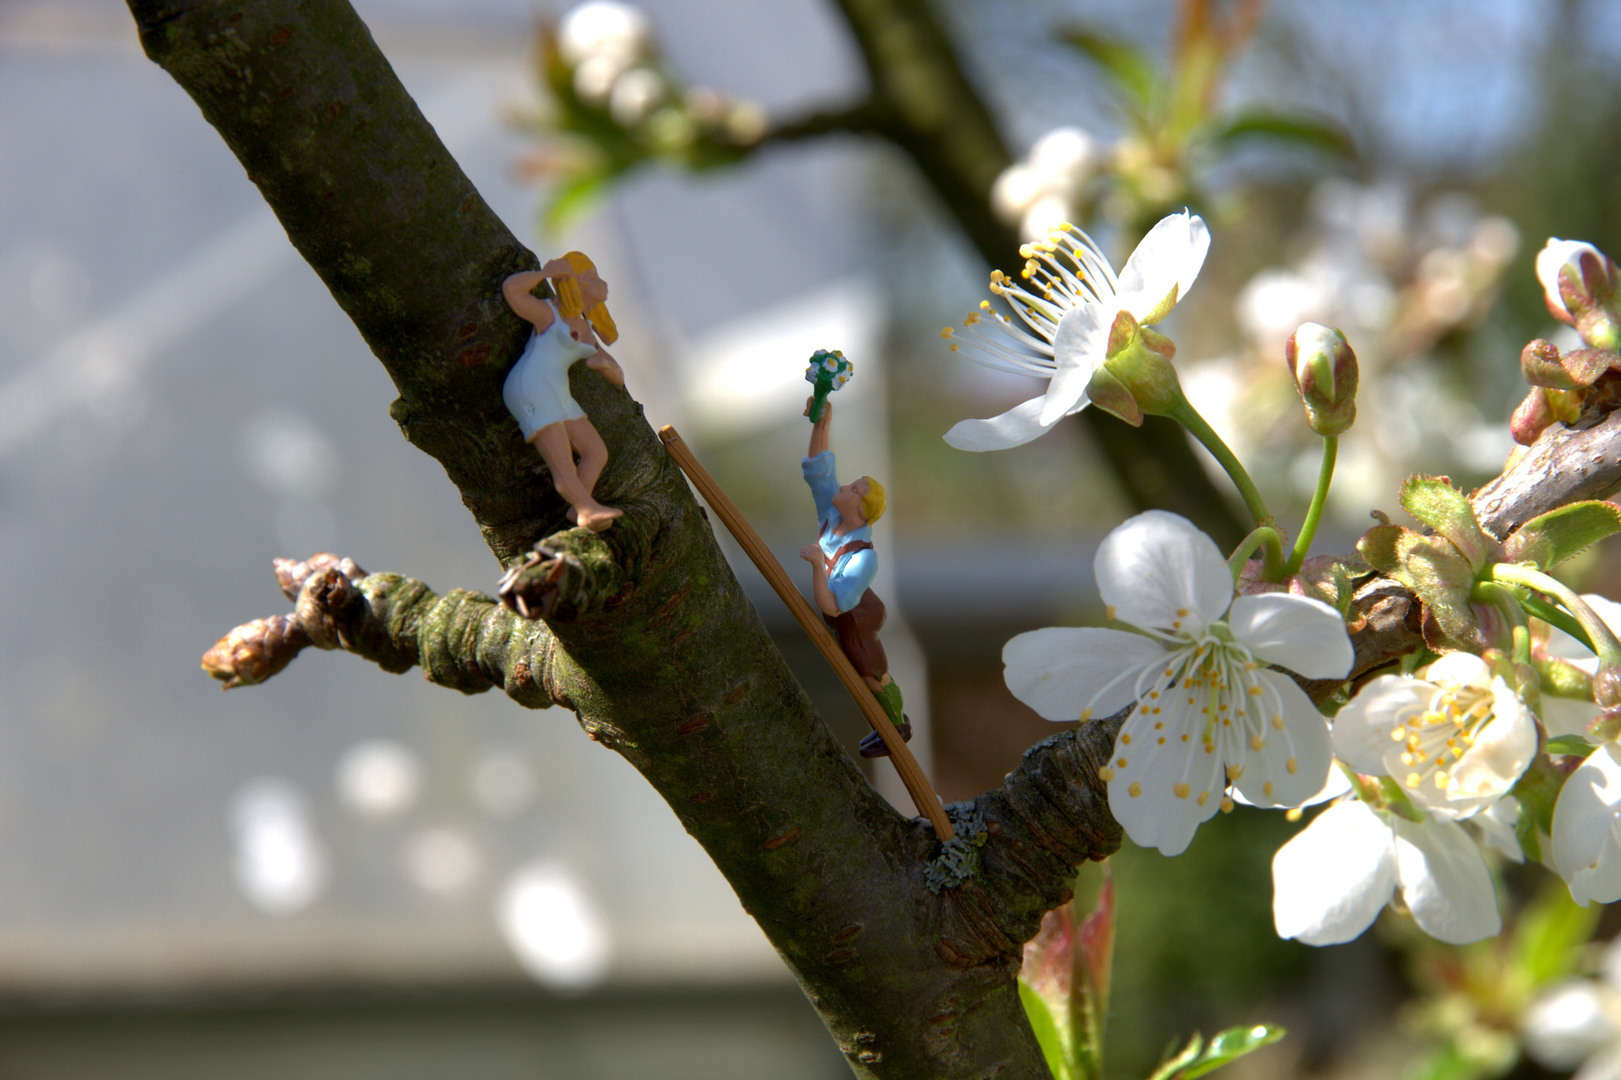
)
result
[(1541, 409), (1325, 371), (1607, 688), (1579, 285), (1539, 364)]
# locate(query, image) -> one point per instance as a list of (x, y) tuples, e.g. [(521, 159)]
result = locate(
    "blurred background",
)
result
[(351, 874)]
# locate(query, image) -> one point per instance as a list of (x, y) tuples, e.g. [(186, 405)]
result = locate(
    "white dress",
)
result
[(536, 389)]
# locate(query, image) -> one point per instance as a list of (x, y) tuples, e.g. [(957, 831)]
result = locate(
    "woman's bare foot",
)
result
[(594, 516)]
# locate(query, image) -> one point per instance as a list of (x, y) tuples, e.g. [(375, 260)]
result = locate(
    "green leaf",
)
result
[(1224, 1049), (1550, 935), (1570, 745), (1171, 1067), (574, 197), (1550, 539), (1129, 67), (1310, 131), (1435, 502), (1231, 1045), (1047, 1035)]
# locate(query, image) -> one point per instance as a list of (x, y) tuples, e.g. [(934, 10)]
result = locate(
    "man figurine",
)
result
[(842, 567)]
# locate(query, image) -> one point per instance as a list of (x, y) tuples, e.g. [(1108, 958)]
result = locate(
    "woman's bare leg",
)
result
[(593, 452), (553, 443)]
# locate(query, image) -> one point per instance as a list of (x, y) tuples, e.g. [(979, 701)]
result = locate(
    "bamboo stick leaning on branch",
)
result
[(917, 785)]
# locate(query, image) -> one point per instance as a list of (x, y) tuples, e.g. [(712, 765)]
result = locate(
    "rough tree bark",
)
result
[(907, 948)]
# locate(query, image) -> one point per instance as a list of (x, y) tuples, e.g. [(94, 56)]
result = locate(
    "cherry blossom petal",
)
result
[(1015, 427), (1567, 716), (1465, 669), (1444, 881), (1587, 829), (1165, 780), (1501, 751), (1496, 825), (1291, 762), (1306, 636), (1079, 348), (1170, 256), (1059, 671), (1159, 572), (1330, 882), (1362, 729)]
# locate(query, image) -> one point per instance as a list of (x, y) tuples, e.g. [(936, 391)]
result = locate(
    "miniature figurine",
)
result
[(536, 390), (843, 563)]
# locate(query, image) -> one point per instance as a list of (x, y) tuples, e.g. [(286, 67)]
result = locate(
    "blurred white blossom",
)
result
[(1046, 188)]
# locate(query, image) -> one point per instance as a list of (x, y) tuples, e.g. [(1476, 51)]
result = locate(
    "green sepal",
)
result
[(1435, 502), (1047, 1032), (1377, 547), (1550, 539), (1570, 746), (1442, 578), (1193, 1060), (1163, 308), (1108, 393)]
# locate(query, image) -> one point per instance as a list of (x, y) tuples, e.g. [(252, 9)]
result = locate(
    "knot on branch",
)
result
[(1050, 816), (576, 573)]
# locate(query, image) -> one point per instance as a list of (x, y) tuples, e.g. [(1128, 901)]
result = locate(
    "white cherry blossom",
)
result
[(1587, 828), (1068, 307), (1208, 711), (1331, 881), (1456, 740)]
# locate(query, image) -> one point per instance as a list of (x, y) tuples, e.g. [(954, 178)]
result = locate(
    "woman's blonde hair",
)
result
[(872, 503), (569, 300)]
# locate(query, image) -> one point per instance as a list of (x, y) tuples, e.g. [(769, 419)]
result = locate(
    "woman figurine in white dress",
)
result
[(536, 389)]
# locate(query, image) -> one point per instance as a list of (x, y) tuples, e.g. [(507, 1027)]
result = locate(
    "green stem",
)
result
[(1553, 616), (1271, 542), (1186, 415), (1604, 642), (1509, 603), (1314, 513)]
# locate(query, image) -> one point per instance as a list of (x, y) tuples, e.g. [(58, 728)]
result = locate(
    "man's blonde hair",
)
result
[(872, 503), (569, 300)]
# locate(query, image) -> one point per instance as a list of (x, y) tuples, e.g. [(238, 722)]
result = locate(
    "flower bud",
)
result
[(1541, 409), (1579, 284), (1607, 688), (1325, 371)]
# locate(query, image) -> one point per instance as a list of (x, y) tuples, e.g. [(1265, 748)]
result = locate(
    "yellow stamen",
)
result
[(1181, 790), (1135, 789), (1105, 774)]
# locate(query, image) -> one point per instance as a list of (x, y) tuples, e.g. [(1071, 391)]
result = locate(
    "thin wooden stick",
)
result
[(917, 785)]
